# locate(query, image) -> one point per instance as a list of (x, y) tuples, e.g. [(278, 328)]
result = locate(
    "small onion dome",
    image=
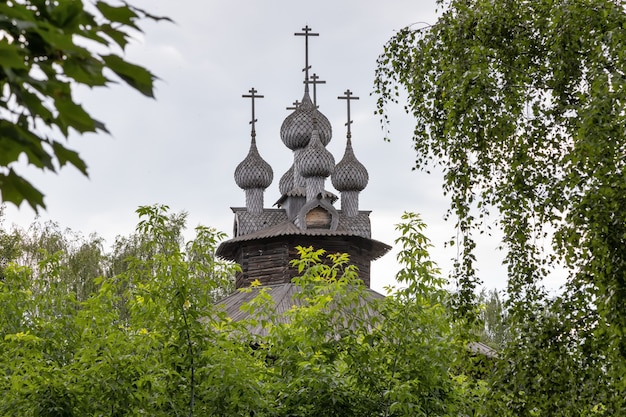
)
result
[(286, 181), (297, 127), (350, 174), (253, 171), (315, 160)]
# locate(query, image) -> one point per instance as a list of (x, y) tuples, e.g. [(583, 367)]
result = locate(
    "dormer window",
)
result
[(318, 218)]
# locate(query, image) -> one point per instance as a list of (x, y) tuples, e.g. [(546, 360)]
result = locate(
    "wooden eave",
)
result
[(228, 249)]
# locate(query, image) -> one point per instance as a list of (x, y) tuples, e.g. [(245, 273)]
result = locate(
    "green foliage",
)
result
[(76, 260), (346, 351), (150, 339), (46, 50), (521, 104), (493, 317), (557, 365), (133, 344), (9, 245)]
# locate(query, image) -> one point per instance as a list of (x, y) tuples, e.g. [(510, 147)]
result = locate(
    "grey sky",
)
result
[(182, 149)]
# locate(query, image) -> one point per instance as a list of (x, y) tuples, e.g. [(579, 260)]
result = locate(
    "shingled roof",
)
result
[(354, 227), (247, 222), (284, 298)]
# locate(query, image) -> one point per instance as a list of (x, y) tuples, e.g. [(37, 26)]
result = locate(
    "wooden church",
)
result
[(264, 239)]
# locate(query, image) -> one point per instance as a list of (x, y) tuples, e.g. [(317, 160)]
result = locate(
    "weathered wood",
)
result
[(318, 218), (268, 261)]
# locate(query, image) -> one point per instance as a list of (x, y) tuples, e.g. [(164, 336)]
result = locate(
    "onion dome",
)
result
[(286, 181), (315, 160), (253, 171), (297, 127), (350, 174)]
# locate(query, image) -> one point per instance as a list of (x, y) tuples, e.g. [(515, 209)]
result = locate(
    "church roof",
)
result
[(315, 160), (305, 213), (276, 219), (247, 222), (301, 192), (286, 182), (284, 297), (357, 227)]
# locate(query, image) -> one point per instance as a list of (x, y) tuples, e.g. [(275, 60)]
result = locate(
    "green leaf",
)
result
[(66, 14), (118, 36), (136, 76), (34, 104), (121, 14), (16, 189), (15, 140), (61, 42), (148, 15), (73, 115), (85, 70), (10, 55), (65, 156), (17, 14)]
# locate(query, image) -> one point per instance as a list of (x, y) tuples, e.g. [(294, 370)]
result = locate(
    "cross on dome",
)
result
[(295, 105), (348, 96), (306, 33), (252, 96), (314, 79)]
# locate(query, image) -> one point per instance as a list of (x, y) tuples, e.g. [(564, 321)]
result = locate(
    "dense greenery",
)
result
[(522, 105), (89, 333), (140, 330), (47, 49), (137, 331)]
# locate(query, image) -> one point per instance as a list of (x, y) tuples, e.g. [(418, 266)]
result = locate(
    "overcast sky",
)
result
[(182, 148)]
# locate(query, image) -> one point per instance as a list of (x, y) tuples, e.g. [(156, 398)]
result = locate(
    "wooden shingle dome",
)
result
[(253, 171), (350, 174), (315, 160), (296, 129)]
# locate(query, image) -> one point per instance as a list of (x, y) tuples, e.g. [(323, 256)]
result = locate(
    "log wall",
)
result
[(268, 261)]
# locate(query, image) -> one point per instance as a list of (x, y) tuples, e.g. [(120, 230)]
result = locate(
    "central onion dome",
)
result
[(253, 171), (315, 160), (297, 127), (350, 174), (286, 181)]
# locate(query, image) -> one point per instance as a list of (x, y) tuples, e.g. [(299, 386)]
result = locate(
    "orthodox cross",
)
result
[(252, 96), (306, 33), (295, 105), (314, 79), (348, 96)]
